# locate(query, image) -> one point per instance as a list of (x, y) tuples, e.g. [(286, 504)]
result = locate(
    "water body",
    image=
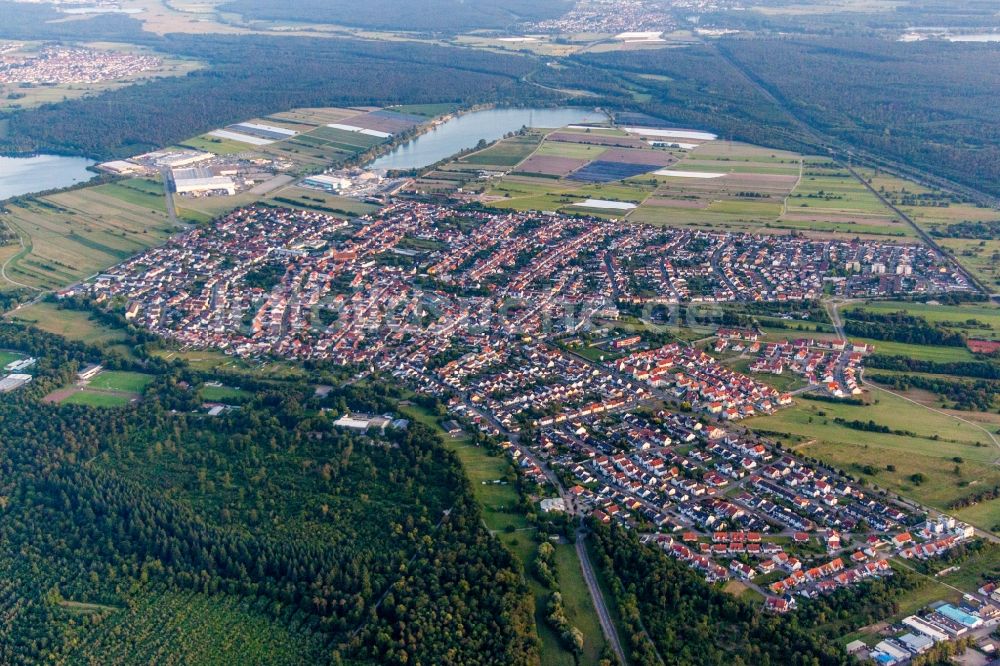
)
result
[(465, 131), (984, 37), (25, 175)]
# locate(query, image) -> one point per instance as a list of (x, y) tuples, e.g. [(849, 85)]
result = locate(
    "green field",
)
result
[(310, 199), (216, 145), (505, 153), (220, 393), (8, 357), (937, 442), (72, 324), (96, 399), (954, 317), (127, 382)]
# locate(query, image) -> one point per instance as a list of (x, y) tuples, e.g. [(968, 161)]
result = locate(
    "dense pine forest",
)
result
[(250, 76), (434, 16), (272, 532)]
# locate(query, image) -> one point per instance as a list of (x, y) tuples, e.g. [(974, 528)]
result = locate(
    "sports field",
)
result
[(128, 382)]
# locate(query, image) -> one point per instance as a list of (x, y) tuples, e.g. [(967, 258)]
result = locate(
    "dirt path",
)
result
[(989, 434)]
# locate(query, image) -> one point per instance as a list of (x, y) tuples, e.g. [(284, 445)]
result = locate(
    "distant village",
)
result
[(71, 64)]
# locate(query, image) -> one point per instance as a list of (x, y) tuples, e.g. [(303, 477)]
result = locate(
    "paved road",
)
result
[(168, 195)]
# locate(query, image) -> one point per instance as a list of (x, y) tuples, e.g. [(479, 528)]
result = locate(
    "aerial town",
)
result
[(71, 64), (477, 307)]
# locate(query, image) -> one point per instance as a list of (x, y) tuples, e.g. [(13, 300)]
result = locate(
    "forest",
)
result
[(124, 528), (433, 16), (950, 128), (254, 75)]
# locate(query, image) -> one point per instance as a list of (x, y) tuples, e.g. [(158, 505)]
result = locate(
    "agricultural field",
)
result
[(931, 456), (951, 222), (310, 199), (214, 144), (712, 184), (72, 235), (829, 198), (506, 153)]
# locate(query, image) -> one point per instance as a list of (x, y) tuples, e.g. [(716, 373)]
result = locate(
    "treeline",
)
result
[(984, 230), (899, 327), (979, 395), (898, 363), (256, 75), (871, 426), (432, 16)]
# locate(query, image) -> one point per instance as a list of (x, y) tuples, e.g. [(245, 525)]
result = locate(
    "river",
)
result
[(465, 131), (25, 175)]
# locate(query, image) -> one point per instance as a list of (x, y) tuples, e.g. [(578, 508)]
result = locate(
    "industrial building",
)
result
[(201, 181)]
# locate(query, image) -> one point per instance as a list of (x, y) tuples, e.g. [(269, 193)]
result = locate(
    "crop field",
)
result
[(216, 145), (955, 458), (578, 151), (71, 235), (505, 153), (314, 116), (549, 165), (304, 197), (828, 194)]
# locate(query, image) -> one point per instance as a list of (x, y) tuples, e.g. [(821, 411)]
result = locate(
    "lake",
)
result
[(984, 37), (25, 175), (465, 131)]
